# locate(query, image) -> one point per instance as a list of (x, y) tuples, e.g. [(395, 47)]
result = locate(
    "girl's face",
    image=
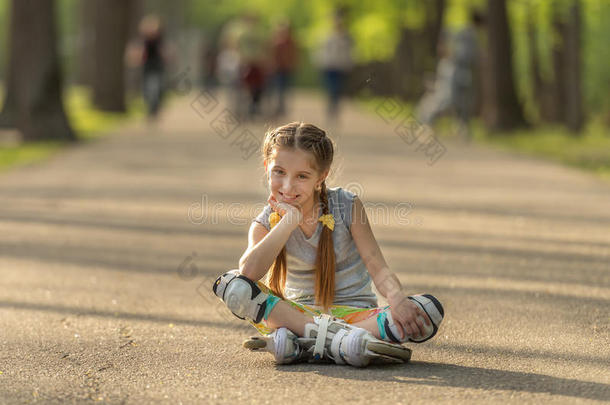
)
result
[(292, 179)]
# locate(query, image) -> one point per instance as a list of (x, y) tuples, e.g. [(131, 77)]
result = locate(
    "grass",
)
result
[(12, 156), (589, 150), (88, 123)]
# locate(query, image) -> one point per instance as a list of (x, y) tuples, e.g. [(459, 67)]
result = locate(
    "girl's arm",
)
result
[(404, 312), (264, 246), (386, 282)]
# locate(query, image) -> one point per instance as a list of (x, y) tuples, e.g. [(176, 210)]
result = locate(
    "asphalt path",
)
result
[(108, 251)]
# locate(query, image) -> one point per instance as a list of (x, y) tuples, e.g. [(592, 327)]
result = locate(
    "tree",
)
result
[(574, 117), (86, 44), (33, 101), (545, 91), (435, 12), (111, 30), (415, 54), (559, 96), (502, 108)]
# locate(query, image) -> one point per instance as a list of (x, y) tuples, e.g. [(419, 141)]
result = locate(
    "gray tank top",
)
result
[(352, 280)]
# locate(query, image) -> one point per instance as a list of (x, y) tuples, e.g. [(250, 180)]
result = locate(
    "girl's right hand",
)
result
[(284, 209)]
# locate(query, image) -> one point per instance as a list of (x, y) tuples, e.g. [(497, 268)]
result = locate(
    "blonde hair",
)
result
[(308, 138)]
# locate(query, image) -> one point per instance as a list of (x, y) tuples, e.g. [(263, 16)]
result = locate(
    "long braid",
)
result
[(276, 278), (325, 259)]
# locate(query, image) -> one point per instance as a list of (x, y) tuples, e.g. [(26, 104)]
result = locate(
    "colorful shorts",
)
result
[(347, 313)]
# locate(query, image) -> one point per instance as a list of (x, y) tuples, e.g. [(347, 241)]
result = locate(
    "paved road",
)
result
[(107, 252)]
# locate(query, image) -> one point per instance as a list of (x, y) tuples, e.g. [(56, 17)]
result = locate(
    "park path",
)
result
[(108, 251)]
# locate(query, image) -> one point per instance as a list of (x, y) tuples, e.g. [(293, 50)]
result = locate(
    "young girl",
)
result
[(319, 254)]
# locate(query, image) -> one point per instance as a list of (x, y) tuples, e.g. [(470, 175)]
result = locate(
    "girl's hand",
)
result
[(408, 316), (284, 209)]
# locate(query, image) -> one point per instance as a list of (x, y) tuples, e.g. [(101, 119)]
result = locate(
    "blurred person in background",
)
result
[(151, 54), (209, 64), (438, 97), (253, 53), (465, 57), (285, 58), (241, 64), (454, 86), (229, 64), (334, 58)]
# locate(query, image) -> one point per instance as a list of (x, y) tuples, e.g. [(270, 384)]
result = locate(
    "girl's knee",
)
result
[(243, 297)]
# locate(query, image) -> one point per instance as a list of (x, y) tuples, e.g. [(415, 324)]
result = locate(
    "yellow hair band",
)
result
[(274, 218), (327, 220)]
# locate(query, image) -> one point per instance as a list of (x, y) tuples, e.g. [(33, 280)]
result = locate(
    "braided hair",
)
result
[(309, 138)]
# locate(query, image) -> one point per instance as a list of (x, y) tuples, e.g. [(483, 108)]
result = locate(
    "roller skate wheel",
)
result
[(395, 351), (254, 343)]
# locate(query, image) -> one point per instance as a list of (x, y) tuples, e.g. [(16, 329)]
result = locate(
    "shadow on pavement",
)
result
[(452, 375), (226, 323)]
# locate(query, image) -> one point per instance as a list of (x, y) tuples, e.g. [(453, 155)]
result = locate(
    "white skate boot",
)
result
[(343, 343), (282, 343), (329, 340)]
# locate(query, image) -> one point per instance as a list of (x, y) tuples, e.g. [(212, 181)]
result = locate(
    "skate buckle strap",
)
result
[(279, 344), (258, 310), (318, 350), (335, 346)]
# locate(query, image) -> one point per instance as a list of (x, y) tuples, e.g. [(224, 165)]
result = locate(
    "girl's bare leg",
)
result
[(285, 315), (369, 324)]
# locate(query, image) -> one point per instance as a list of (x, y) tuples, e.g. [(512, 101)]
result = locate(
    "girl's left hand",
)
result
[(408, 316)]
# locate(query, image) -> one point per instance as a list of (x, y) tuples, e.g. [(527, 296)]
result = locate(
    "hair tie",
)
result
[(274, 218), (328, 220)]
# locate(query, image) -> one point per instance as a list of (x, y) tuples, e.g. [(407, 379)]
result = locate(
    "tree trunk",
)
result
[(403, 66), (86, 42), (544, 89), (504, 112), (416, 54), (556, 87), (33, 102), (111, 28), (574, 117), (435, 10)]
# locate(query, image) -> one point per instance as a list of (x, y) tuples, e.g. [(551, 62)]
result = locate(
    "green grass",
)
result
[(88, 123), (12, 156), (589, 150)]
